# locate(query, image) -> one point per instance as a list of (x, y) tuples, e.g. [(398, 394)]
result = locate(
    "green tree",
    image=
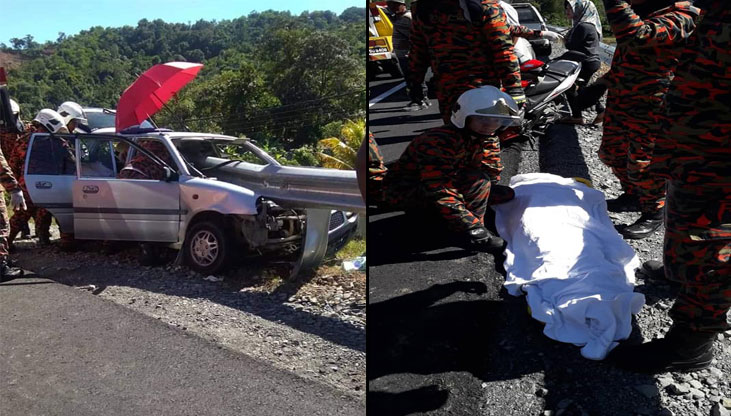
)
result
[(269, 75), (340, 152)]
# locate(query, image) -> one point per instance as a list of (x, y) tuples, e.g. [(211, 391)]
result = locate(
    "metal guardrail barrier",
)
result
[(315, 189), (605, 51), (297, 187)]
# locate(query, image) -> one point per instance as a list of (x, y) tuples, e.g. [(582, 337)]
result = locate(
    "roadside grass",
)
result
[(354, 248), (270, 278)]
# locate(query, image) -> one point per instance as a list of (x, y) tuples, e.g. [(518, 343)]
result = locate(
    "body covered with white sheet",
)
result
[(565, 255)]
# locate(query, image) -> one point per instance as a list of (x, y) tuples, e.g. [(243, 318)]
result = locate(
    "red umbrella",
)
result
[(152, 90)]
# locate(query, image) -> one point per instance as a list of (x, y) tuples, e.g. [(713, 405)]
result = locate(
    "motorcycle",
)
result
[(545, 85)]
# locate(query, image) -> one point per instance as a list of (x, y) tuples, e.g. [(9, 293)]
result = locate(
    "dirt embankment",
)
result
[(10, 60)]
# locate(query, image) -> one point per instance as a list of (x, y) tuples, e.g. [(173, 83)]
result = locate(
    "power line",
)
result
[(273, 110), (277, 122)]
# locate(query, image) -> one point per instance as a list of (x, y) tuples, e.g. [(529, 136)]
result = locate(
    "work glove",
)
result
[(519, 99), (552, 36), (17, 201)]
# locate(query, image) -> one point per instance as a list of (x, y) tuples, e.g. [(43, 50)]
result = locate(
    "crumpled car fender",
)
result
[(198, 194)]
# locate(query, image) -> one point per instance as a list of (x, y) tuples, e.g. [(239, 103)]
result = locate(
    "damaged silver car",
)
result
[(182, 190)]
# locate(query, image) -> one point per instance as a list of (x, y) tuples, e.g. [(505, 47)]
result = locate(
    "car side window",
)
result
[(196, 151), (52, 155), (141, 166), (97, 159)]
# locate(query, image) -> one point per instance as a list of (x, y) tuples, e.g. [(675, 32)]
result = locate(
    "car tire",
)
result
[(207, 246)]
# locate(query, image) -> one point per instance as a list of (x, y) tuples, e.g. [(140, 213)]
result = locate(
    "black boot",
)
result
[(681, 350), (8, 272), (44, 240), (25, 231), (652, 270), (644, 226), (623, 203), (481, 239), (499, 194)]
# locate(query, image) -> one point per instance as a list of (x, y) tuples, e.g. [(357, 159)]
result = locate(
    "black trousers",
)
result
[(582, 96)]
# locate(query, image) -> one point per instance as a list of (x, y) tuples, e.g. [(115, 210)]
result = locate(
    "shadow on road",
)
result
[(419, 400), (493, 340), (413, 334), (424, 337), (560, 153), (404, 118), (405, 238)]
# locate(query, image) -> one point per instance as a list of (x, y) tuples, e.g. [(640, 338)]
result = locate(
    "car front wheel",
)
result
[(206, 247)]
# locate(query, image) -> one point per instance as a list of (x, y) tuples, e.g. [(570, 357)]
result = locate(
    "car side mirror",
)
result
[(171, 175)]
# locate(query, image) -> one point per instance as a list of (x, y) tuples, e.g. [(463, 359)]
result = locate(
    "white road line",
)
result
[(386, 94)]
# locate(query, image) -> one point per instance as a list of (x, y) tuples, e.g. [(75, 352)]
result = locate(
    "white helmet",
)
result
[(486, 101), (72, 111), (14, 107), (51, 120)]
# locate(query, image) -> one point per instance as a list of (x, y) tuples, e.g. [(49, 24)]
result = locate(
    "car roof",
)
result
[(176, 135), (98, 109), (522, 5)]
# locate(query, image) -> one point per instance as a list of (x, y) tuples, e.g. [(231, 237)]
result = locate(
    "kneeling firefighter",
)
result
[(453, 169)]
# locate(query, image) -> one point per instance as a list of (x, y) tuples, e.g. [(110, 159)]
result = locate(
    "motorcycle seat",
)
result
[(544, 85), (562, 68)]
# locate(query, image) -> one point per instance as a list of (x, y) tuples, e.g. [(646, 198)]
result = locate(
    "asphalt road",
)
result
[(64, 351)]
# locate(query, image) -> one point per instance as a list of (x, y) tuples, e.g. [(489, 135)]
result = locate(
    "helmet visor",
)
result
[(486, 125)]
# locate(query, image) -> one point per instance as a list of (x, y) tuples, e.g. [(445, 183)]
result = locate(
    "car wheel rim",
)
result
[(204, 248)]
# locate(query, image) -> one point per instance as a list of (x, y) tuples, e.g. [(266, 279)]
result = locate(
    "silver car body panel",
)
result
[(204, 194), (126, 209), (108, 208), (52, 192)]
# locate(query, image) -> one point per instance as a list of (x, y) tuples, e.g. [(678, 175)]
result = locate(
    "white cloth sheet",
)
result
[(575, 269)]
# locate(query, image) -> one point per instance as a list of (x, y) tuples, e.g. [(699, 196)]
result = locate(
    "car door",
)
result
[(109, 205), (50, 170)]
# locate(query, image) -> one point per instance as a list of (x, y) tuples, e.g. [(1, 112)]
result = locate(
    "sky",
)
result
[(44, 19)]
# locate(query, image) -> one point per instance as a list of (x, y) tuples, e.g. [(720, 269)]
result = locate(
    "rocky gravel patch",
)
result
[(313, 326)]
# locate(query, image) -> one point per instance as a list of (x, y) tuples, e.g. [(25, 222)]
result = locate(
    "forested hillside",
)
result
[(269, 75)]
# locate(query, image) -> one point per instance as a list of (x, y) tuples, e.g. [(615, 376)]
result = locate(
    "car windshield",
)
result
[(100, 119), (526, 15), (241, 152)]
